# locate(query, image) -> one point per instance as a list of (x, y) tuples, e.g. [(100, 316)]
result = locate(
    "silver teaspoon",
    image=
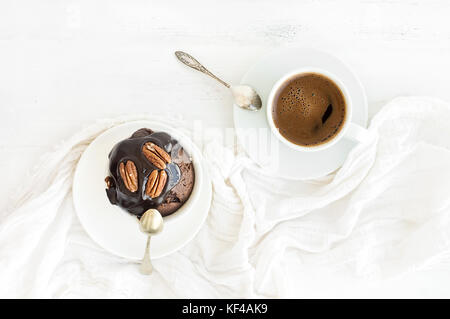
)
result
[(151, 223), (244, 96)]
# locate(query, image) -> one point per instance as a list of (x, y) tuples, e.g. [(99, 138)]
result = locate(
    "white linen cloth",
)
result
[(385, 212)]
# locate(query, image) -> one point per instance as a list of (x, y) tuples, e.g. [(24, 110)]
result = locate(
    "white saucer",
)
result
[(116, 230), (253, 126)]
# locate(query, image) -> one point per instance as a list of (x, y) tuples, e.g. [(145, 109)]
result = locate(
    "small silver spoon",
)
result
[(244, 96), (150, 223)]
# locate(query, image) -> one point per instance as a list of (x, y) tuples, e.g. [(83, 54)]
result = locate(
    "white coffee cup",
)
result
[(348, 130)]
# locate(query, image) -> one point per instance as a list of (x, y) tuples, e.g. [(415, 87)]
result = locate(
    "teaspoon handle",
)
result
[(146, 265), (190, 61)]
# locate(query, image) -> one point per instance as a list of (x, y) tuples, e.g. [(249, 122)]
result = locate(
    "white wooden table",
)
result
[(66, 63)]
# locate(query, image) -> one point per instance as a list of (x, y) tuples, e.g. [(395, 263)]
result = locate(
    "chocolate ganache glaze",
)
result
[(149, 170)]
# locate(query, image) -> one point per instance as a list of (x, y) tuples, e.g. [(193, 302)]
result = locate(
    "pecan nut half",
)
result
[(156, 155), (109, 182), (155, 183), (128, 173)]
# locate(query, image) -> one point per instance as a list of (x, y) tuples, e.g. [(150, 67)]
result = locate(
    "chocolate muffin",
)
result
[(149, 170)]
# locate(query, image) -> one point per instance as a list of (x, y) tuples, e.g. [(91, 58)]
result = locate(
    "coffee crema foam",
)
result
[(309, 109)]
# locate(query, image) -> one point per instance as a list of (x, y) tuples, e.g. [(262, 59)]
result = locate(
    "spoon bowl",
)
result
[(246, 97), (151, 222)]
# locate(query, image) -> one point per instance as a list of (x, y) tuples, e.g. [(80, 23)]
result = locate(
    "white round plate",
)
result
[(116, 230), (253, 126)]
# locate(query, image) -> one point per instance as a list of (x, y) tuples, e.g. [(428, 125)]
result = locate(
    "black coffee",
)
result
[(309, 109)]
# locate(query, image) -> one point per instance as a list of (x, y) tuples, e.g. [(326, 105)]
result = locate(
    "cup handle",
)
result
[(356, 133)]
